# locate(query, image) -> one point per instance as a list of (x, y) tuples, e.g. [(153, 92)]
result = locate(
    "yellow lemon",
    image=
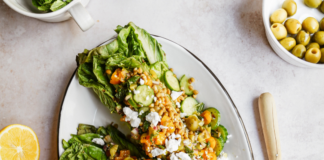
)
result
[(18, 142)]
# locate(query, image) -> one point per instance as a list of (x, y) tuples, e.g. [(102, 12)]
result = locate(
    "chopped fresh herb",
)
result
[(50, 5), (200, 117), (200, 107), (160, 146), (146, 126), (208, 144), (189, 151), (153, 135)]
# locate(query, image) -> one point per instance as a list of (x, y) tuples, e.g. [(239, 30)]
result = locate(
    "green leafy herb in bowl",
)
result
[(50, 5)]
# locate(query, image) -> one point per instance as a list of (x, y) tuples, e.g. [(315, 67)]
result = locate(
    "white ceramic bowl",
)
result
[(81, 105), (268, 7), (76, 9)]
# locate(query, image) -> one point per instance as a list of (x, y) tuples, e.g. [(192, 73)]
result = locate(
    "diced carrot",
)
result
[(207, 117), (119, 158), (209, 155), (165, 121), (211, 141), (160, 139), (115, 79), (118, 76), (148, 81)]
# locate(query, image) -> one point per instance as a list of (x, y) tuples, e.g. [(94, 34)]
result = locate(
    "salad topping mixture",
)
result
[(131, 78)]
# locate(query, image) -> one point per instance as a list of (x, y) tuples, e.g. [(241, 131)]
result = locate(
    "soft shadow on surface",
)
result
[(54, 128), (250, 21), (259, 126)]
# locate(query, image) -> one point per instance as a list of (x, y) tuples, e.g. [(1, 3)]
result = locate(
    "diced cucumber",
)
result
[(216, 117), (223, 132), (185, 85), (144, 96), (219, 145), (131, 101), (188, 106), (143, 109), (171, 81)]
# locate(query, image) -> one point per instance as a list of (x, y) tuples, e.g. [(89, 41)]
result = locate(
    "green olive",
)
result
[(312, 3), (288, 43), (321, 24), (322, 55), (303, 38), (278, 16), (312, 45), (290, 6), (310, 25), (192, 123), (293, 26), (322, 7), (299, 51), (319, 37), (279, 31), (313, 55)]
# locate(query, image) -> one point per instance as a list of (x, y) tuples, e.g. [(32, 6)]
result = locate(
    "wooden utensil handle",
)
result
[(268, 115)]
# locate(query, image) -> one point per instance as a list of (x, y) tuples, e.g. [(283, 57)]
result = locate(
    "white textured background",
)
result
[(37, 60)]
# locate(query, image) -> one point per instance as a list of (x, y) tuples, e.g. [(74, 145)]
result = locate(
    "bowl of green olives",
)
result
[(295, 30)]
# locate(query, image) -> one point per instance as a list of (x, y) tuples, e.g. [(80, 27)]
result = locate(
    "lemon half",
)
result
[(18, 142)]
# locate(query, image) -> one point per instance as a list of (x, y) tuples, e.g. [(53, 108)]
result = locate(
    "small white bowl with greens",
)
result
[(54, 10)]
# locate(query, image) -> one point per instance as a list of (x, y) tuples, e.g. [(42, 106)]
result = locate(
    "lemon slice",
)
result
[(18, 142)]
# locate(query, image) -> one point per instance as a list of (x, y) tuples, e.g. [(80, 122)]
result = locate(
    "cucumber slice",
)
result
[(171, 81), (223, 132), (143, 109), (132, 102), (219, 146), (188, 106), (185, 85), (144, 96), (216, 117)]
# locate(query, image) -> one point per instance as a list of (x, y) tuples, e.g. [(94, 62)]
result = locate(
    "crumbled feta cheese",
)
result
[(163, 127), (147, 98), (152, 96), (183, 156), (154, 118), (158, 158), (227, 141), (154, 99), (141, 112), (222, 156), (173, 157), (141, 81), (155, 82), (157, 151), (236, 156), (173, 136), (175, 94), (187, 142), (183, 115), (172, 144), (136, 91), (131, 116), (178, 104), (98, 141), (229, 136)]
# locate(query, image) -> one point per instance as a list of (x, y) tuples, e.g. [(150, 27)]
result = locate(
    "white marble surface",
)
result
[(38, 59)]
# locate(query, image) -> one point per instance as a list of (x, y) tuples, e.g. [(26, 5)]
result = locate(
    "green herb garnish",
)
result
[(50, 5)]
